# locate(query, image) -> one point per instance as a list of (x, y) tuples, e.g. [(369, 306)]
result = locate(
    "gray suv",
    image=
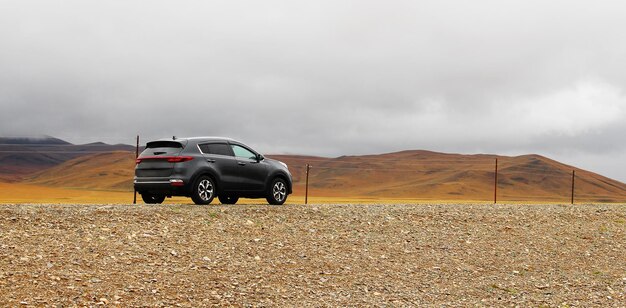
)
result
[(205, 167)]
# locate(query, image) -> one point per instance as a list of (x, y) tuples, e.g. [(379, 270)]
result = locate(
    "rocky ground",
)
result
[(316, 255)]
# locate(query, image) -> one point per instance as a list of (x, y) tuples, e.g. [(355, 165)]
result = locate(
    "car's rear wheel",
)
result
[(152, 199), (203, 190), (277, 193), (228, 199)]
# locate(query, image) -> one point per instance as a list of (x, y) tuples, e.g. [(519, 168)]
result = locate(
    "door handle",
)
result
[(210, 160), (240, 163)]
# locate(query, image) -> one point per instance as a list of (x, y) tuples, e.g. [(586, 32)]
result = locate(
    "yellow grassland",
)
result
[(404, 177), (18, 193)]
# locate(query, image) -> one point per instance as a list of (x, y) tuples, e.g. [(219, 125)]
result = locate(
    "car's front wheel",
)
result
[(277, 193), (152, 199), (228, 199), (203, 190)]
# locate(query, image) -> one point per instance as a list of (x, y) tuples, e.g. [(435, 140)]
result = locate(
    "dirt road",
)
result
[(316, 255)]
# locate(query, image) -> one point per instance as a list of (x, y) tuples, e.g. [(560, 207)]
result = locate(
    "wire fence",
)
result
[(484, 180), (414, 176)]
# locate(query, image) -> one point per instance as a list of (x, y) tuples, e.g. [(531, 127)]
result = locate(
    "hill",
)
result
[(431, 175), (408, 174), (25, 155), (102, 171)]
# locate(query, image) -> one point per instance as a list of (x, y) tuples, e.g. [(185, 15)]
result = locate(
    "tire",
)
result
[(203, 190), (152, 199), (277, 193), (228, 199)]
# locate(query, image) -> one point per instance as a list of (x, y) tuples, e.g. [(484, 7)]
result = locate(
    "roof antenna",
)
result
[(173, 137)]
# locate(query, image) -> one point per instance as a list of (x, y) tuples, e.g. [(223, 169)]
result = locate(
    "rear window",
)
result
[(216, 148), (164, 144)]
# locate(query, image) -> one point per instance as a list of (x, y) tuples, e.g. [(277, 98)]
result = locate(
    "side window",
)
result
[(243, 152), (220, 149), (204, 148), (216, 148)]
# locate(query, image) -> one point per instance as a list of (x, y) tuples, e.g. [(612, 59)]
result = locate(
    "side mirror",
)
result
[(259, 157)]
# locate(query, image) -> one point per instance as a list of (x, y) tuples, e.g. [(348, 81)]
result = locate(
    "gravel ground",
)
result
[(316, 255)]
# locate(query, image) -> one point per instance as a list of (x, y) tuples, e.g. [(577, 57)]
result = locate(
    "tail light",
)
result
[(169, 159), (179, 159)]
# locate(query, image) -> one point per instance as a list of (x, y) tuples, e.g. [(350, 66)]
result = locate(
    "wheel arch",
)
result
[(282, 176), (206, 172)]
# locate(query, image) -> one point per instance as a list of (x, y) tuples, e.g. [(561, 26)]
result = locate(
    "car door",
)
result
[(220, 158), (252, 172)]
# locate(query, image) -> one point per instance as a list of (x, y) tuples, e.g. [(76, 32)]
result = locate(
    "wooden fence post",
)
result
[(495, 184), (573, 177), (306, 187), (136, 155)]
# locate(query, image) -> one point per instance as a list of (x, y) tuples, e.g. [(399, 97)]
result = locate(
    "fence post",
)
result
[(573, 177), (136, 155), (495, 184), (306, 187)]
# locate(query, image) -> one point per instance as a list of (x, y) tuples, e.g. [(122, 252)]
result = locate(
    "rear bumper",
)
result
[(161, 186)]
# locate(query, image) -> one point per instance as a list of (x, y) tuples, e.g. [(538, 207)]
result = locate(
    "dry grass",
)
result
[(18, 193), (26, 193), (410, 176)]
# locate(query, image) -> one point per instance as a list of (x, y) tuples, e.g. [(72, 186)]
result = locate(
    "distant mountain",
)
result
[(47, 140), (403, 175), (20, 156)]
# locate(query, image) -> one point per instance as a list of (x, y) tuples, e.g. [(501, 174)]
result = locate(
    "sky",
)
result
[(325, 78)]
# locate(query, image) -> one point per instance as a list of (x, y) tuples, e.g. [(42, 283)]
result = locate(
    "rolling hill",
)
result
[(101, 171), (420, 175), (25, 155), (431, 175)]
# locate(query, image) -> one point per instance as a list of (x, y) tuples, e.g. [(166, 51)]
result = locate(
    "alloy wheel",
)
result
[(279, 191), (205, 189)]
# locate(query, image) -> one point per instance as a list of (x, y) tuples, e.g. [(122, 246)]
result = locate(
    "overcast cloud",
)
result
[(324, 77)]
